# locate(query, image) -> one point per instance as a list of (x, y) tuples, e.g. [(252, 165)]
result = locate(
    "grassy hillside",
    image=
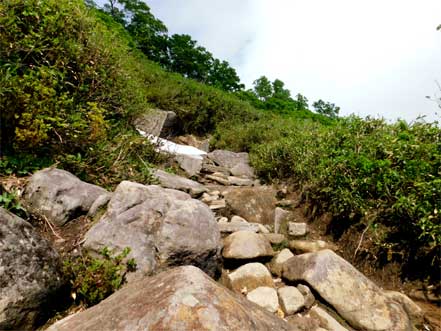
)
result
[(71, 82)]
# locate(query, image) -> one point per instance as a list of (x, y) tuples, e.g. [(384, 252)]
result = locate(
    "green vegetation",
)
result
[(73, 77), (10, 202), (359, 170), (94, 279)]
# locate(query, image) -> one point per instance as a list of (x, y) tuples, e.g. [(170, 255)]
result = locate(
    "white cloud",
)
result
[(372, 57)]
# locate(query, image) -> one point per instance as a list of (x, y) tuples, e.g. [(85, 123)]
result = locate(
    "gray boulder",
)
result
[(191, 164), (228, 159), (181, 299), (358, 300), (30, 274), (59, 195), (176, 182), (256, 204), (156, 122), (161, 226), (243, 245)]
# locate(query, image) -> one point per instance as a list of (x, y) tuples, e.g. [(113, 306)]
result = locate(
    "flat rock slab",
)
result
[(243, 245), (176, 182), (30, 275), (256, 204), (59, 195), (181, 299), (358, 300), (156, 122), (161, 226)]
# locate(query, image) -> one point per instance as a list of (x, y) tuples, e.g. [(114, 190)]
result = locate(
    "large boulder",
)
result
[(238, 163), (30, 274), (59, 195), (244, 245), (161, 226), (176, 182), (255, 204), (181, 299), (358, 300), (156, 122)]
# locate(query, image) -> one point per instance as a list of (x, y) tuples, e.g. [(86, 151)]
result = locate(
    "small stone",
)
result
[(291, 299), (307, 294), (218, 204), (238, 219), (280, 216), (276, 264), (307, 246), (297, 229), (265, 297), (248, 276), (262, 228)]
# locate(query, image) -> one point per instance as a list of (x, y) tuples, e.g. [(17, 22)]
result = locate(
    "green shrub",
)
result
[(10, 202), (360, 170), (94, 279)]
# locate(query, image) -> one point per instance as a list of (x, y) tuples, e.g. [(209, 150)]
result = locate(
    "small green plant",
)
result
[(282, 245), (10, 202), (94, 279)]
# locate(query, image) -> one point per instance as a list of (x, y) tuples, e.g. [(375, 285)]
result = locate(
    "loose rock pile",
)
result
[(226, 225)]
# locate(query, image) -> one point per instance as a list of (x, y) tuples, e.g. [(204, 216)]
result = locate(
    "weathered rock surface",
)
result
[(291, 299), (156, 122), (309, 246), (238, 181), (176, 182), (359, 301), (265, 297), (307, 295), (281, 217), (275, 238), (276, 264), (237, 224), (297, 229), (181, 299), (191, 164), (247, 278), (229, 159), (255, 204), (246, 245), (30, 274), (326, 320), (59, 195), (161, 226)]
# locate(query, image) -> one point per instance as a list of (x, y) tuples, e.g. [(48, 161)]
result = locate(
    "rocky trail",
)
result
[(215, 250)]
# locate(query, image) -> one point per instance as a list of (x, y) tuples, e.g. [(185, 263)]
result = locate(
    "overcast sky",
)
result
[(376, 57)]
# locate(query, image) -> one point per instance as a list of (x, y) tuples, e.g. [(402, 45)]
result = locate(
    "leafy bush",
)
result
[(94, 279), (360, 170), (10, 202)]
